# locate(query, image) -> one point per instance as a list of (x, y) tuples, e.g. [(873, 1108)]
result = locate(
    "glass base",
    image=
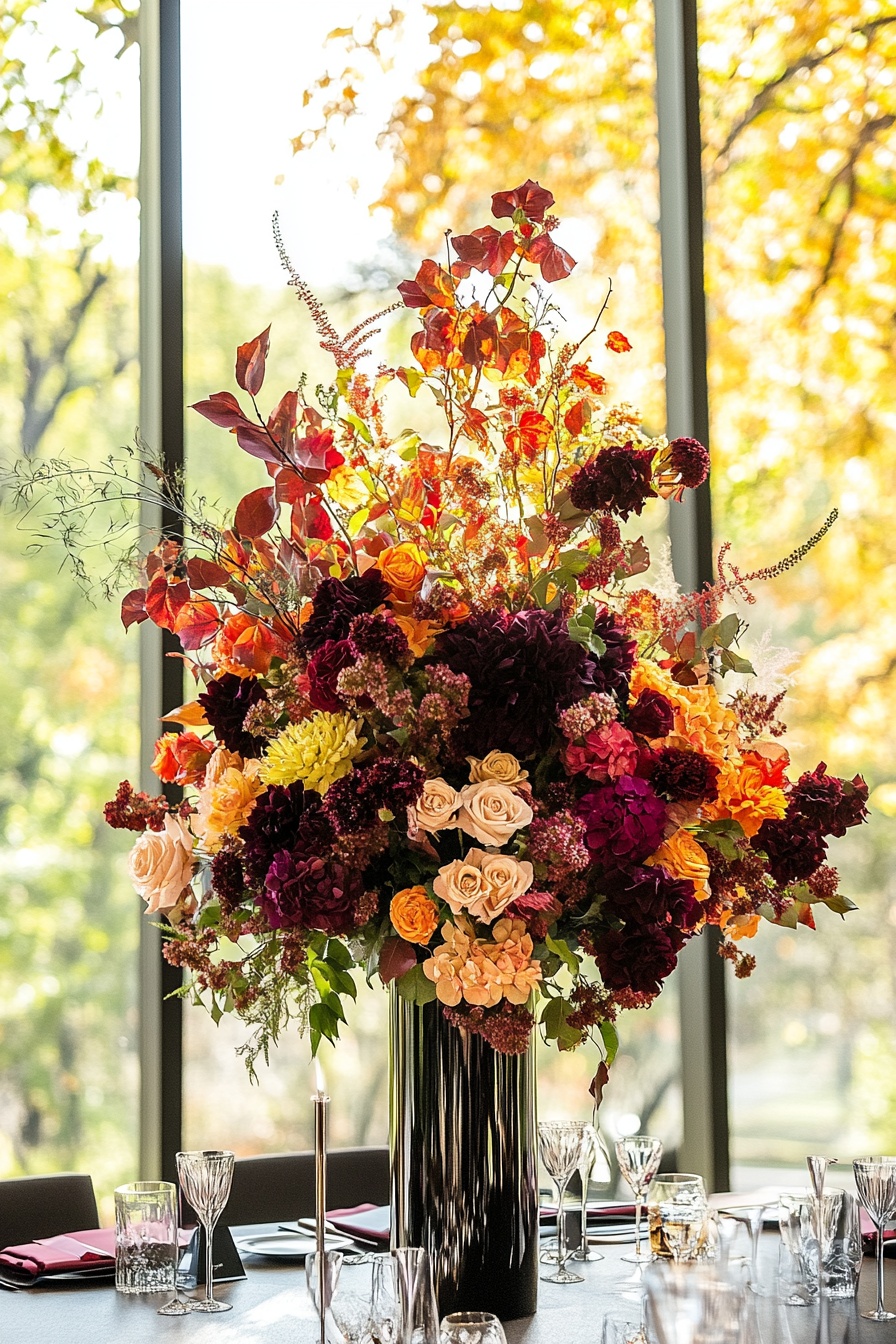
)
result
[(208, 1306), (175, 1307), (633, 1258), (587, 1255), (879, 1315), (562, 1276)]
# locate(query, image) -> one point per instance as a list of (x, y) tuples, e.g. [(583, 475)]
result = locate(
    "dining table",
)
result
[(272, 1306)]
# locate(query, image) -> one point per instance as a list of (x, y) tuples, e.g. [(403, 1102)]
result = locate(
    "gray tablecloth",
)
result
[(272, 1306)]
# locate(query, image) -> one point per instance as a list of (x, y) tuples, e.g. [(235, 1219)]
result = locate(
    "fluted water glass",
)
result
[(560, 1149), (639, 1157), (205, 1177), (876, 1184)]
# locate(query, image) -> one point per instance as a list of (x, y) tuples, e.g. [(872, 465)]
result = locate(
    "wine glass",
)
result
[(639, 1158), (205, 1178), (876, 1184), (560, 1146), (592, 1150)]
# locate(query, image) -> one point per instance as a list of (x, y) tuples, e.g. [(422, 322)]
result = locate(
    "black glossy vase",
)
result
[(464, 1164)]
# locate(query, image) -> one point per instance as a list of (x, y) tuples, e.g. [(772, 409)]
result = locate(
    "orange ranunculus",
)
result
[(181, 758), (419, 634), (738, 926), (745, 796), (683, 857), (245, 646), (404, 569), (414, 915)]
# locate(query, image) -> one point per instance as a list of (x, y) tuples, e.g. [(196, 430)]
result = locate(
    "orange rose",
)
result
[(413, 915), (683, 857), (181, 758), (404, 569), (419, 634)]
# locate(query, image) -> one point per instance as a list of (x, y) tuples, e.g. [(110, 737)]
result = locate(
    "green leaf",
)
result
[(334, 1003), (610, 1037), (415, 987), (581, 629), (575, 562), (412, 379), (359, 426), (343, 378), (322, 1018), (840, 904), (561, 948), (216, 1012), (338, 953), (209, 915), (733, 662), (727, 630)]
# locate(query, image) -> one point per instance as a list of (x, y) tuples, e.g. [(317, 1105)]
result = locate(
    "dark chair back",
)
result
[(279, 1187), (44, 1206)]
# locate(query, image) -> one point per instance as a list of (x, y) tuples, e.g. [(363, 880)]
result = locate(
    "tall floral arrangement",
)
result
[(443, 731)]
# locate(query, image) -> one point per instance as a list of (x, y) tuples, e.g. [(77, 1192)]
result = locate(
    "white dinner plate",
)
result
[(287, 1245)]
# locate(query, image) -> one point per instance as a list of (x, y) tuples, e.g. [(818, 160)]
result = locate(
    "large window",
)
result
[(69, 926)]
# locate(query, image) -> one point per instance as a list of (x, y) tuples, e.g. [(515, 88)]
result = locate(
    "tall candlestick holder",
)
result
[(321, 1103)]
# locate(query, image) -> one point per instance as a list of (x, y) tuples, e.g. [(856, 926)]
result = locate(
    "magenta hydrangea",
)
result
[(623, 821)]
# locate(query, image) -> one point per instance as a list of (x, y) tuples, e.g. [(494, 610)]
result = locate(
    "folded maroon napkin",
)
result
[(93, 1250), (869, 1232), (597, 1213), (369, 1221)]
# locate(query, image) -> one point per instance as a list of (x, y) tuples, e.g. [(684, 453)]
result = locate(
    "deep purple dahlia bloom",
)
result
[(793, 847), (639, 959), (333, 657), (652, 715), (311, 893), (683, 776), (649, 895), (273, 824), (616, 481), (337, 602), (690, 460), (623, 820), (226, 701)]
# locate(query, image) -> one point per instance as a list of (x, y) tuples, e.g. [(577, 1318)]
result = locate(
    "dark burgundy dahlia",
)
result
[(337, 602), (830, 805), (690, 460), (623, 822), (273, 825), (311, 893), (616, 481), (228, 879), (649, 895), (523, 668), (683, 776), (611, 672), (333, 657), (639, 959), (652, 715), (226, 701), (380, 637), (353, 802), (794, 848)]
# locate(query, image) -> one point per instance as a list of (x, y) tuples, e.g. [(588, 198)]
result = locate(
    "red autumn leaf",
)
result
[(618, 343), (431, 285), (599, 1082), (133, 608), (256, 512), (483, 250), (282, 421), (250, 360), (577, 416), (206, 574), (255, 440), (805, 915), (311, 520), (164, 600), (533, 200), (196, 624), (316, 457), (554, 262), (289, 486), (530, 436), (397, 957), (222, 408)]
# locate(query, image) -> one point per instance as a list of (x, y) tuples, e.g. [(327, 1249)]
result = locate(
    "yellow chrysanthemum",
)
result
[(318, 751), (745, 796), (683, 857), (700, 719)]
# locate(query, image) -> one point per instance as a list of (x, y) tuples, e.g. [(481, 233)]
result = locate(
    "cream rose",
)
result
[(460, 883), (499, 766), (492, 812), (436, 808), (161, 864), (506, 878)]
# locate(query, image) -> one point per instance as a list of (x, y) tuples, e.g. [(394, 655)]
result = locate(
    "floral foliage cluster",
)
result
[(440, 734)]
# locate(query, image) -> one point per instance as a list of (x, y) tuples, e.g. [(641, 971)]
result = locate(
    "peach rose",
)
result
[(219, 761), (499, 766), (506, 878), (161, 865), (511, 954), (436, 808), (404, 568), (460, 883), (413, 915), (492, 812), (224, 805)]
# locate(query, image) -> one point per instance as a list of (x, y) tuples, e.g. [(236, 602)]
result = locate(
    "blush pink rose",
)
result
[(161, 864)]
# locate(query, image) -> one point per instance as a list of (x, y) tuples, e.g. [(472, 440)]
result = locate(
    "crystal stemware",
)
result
[(472, 1327), (592, 1150), (351, 1312), (677, 1211), (418, 1310), (383, 1301), (560, 1146), (639, 1157), (876, 1184), (205, 1178)]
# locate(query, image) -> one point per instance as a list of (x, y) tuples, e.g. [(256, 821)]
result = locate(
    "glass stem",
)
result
[(209, 1261), (880, 1270), (638, 1255), (561, 1239), (583, 1242)]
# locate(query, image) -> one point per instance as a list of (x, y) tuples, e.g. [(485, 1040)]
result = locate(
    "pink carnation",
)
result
[(606, 753)]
